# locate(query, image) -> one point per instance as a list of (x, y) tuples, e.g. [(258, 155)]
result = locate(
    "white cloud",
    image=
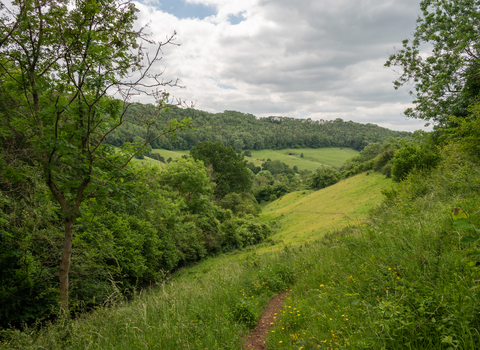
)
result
[(317, 59)]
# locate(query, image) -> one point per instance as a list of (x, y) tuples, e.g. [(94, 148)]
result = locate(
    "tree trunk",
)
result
[(65, 263)]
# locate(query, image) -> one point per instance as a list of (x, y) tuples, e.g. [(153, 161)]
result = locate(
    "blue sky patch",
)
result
[(182, 9), (235, 19), (227, 87)]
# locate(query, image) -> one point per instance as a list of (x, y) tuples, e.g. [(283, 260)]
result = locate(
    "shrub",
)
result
[(323, 177), (412, 157)]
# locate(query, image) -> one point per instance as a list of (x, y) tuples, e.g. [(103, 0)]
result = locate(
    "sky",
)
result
[(319, 59)]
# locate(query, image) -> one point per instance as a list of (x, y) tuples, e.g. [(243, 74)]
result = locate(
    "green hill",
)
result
[(306, 215)]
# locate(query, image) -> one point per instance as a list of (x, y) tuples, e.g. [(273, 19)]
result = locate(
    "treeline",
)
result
[(245, 131)]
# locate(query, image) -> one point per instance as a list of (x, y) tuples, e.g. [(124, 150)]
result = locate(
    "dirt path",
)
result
[(256, 339)]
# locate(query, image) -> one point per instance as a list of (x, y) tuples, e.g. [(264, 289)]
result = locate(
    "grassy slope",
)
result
[(306, 215)]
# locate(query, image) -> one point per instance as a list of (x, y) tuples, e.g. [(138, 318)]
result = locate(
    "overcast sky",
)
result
[(319, 59)]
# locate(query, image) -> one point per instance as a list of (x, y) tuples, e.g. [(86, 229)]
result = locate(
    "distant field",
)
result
[(312, 158), (307, 215), (170, 154)]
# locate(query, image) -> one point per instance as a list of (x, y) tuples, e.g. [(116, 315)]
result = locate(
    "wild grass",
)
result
[(400, 280), (206, 307)]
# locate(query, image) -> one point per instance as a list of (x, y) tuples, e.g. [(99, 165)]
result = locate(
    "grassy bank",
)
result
[(307, 215)]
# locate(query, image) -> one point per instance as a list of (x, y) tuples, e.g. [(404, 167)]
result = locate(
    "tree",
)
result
[(447, 80), (229, 168), (323, 177), (63, 60), (189, 179)]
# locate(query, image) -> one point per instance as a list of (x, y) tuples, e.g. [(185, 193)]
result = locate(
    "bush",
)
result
[(411, 158), (382, 159), (323, 177)]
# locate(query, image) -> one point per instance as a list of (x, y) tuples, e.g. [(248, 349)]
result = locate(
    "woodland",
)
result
[(87, 230)]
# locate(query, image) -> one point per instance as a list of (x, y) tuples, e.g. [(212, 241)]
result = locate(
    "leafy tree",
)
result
[(188, 177), (61, 58), (254, 168), (447, 80), (262, 178), (323, 177), (241, 203), (229, 168), (276, 167)]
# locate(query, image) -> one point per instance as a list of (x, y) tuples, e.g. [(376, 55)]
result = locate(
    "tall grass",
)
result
[(204, 307), (400, 280)]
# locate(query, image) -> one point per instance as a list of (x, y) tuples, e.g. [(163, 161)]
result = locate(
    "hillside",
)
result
[(306, 215), (245, 131)]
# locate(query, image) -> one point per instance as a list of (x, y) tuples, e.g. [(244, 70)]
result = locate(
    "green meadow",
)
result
[(307, 215), (312, 158)]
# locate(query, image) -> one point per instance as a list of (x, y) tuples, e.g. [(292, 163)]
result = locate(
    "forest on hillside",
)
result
[(246, 132)]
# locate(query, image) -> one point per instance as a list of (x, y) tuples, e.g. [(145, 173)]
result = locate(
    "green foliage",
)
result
[(240, 232), (188, 177), (323, 177), (467, 132), (276, 167), (411, 158), (394, 281), (446, 80), (245, 131), (382, 159), (229, 168), (240, 203), (264, 193), (253, 168), (58, 62)]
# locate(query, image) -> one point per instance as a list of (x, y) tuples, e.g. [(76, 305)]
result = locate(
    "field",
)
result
[(396, 280), (312, 157)]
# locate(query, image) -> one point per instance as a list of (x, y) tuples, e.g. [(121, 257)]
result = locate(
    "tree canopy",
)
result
[(441, 61), (245, 131), (230, 170)]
